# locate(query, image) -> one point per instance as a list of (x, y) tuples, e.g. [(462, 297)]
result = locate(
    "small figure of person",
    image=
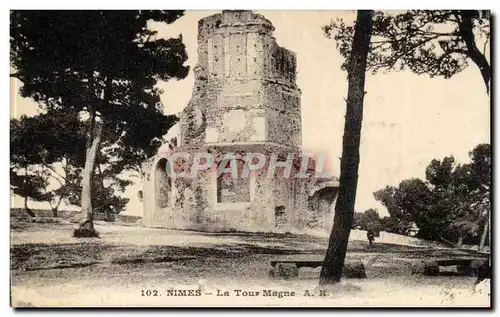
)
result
[(371, 236)]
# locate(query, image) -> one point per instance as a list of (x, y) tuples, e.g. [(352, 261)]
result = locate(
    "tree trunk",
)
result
[(86, 199), (466, 30), (56, 207), (95, 131), (26, 208), (483, 236), (333, 263)]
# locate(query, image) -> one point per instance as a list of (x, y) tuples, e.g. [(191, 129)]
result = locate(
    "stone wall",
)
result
[(276, 203)]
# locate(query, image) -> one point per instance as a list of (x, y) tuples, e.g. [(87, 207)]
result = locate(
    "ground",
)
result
[(50, 268)]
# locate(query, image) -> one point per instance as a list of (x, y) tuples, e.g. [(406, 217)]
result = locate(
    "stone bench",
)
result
[(450, 262), (299, 264), (290, 268), (431, 267)]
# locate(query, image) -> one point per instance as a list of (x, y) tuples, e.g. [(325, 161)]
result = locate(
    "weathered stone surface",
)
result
[(427, 268), (354, 270), (474, 267)]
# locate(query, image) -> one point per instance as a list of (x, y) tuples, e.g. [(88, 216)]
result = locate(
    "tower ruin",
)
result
[(245, 100)]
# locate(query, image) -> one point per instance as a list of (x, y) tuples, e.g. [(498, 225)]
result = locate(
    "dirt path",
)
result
[(49, 268)]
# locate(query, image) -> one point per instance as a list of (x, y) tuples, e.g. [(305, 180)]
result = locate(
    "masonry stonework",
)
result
[(245, 100)]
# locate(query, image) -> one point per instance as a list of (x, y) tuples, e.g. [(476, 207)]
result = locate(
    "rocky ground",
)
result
[(129, 265)]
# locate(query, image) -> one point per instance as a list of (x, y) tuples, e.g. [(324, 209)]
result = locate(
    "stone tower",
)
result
[(245, 89), (245, 100)]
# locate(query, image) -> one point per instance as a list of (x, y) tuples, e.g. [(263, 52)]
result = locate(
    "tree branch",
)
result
[(439, 34), (465, 27), (55, 172), (390, 62)]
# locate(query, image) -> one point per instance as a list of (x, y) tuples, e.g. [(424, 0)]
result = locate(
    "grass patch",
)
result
[(29, 257)]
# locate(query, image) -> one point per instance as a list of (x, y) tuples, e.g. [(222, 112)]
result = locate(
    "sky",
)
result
[(408, 119)]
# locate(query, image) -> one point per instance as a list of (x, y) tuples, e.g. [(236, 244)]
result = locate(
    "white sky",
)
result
[(408, 119)]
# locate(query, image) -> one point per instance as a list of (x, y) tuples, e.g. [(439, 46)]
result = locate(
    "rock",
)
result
[(287, 270), (475, 265), (85, 233), (473, 268), (354, 270), (465, 270), (483, 272), (427, 268)]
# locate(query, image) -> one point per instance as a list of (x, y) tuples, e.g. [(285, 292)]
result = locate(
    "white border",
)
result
[(197, 5), (255, 5)]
